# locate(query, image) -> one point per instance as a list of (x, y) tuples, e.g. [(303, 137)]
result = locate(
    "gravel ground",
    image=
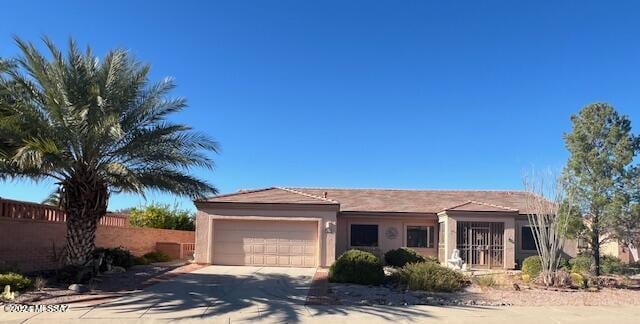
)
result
[(349, 294), (104, 286)]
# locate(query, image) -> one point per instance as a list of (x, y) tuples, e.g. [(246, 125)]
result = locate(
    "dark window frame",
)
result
[(360, 239), (429, 239), (532, 246)]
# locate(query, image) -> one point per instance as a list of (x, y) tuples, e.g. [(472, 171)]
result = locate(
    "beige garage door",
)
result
[(265, 243)]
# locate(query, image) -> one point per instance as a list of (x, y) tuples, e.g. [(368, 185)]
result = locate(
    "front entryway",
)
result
[(265, 243), (481, 244)]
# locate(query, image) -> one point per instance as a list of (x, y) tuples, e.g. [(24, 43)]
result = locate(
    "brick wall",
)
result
[(29, 243)]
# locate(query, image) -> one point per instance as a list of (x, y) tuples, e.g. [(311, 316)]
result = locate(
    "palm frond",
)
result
[(65, 115)]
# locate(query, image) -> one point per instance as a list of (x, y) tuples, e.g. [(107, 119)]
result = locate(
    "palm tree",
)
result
[(53, 199), (95, 127)]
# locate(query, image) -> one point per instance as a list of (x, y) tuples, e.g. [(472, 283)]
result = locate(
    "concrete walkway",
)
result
[(219, 294)]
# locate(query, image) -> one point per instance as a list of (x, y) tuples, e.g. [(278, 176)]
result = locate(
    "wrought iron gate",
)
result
[(481, 244)]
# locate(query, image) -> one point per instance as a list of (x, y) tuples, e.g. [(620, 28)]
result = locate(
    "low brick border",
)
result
[(319, 290)]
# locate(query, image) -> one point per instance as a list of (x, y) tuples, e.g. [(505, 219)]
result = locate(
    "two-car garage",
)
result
[(265, 243), (271, 227)]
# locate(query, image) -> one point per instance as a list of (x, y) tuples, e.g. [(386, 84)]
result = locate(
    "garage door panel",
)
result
[(268, 243)]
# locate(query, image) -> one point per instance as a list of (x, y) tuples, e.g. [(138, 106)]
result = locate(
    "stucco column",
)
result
[(329, 230), (510, 243), (203, 245), (450, 235)]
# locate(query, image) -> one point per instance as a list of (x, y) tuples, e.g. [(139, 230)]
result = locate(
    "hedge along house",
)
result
[(309, 227)]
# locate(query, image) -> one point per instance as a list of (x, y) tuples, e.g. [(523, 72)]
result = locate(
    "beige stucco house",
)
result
[(309, 227)]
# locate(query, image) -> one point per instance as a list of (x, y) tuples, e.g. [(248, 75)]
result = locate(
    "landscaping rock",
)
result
[(79, 288)]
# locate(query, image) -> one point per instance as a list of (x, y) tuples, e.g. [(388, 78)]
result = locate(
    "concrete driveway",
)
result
[(218, 293)]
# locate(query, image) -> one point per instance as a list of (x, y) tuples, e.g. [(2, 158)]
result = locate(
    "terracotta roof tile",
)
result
[(420, 201), (386, 200), (480, 206), (273, 195)]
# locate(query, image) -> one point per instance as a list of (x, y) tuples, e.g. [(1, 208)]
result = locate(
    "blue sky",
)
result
[(384, 94)]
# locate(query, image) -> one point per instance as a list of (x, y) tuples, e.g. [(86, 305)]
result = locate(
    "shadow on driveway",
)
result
[(238, 293)]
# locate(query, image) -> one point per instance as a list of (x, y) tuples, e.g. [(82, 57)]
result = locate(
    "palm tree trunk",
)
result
[(85, 201)]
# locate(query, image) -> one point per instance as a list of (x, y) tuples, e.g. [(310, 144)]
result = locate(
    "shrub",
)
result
[(578, 280), (17, 281), (429, 276), (120, 256), (355, 266), (532, 266), (580, 264), (39, 283), (433, 259), (162, 216), (526, 277), (400, 257), (631, 268), (564, 264), (73, 274), (484, 280), (559, 278), (610, 264), (141, 261), (156, 257)]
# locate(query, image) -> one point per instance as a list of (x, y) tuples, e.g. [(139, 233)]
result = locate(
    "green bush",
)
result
[(631, 268), (156, 257), (564, 265), (578, 280), (484, 280), (359, 267), (121, 257), (580, 264), (162, 216), (17, 281), (433, 259), (610, 264), (532, 266), (141, 261), (400, 257), (429, 276)]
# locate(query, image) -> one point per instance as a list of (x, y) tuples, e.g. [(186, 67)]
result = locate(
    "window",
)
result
[(420, 236), (364, 235), (583, 244), (527, 241)]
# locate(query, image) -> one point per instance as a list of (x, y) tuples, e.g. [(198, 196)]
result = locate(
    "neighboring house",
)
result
[(625, 253), (309, 227)]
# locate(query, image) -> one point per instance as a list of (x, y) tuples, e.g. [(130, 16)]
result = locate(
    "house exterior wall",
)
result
[(570, 246), (386, 222), (323, 215)]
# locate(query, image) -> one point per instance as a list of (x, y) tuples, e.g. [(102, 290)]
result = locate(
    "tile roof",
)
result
[(272, 195), (421, 201), (387, 200), (480, 206)]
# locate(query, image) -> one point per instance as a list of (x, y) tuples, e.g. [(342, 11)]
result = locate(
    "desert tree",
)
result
[(96, 127), (600, 167), (625, 227), (549, 211)]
